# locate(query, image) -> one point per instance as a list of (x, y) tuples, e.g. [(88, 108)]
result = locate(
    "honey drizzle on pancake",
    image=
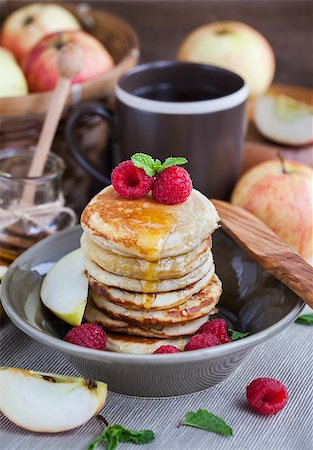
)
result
[(148, 224), (148, 300)]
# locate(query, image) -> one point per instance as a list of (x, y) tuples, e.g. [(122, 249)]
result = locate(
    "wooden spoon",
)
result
[(70, 61), (265, 247)]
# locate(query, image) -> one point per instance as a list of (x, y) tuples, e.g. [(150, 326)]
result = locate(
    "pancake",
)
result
[(122, 343), (131, 284), (153, 301), (172, 267), (147, 229), (195, 307), (94, 315)]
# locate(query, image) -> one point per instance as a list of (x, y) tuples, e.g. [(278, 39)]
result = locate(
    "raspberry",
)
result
[(204, 340), (172, 186), (267, 395), (217, 327), (131, 182), (166, 349), (88, 335)]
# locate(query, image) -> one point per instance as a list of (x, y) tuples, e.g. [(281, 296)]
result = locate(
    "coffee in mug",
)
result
[(170, 108)]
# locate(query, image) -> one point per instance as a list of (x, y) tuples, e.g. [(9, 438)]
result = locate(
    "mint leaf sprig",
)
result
[(154, 166), (114, 434), (305, 319), (235, 335), (207, 421)]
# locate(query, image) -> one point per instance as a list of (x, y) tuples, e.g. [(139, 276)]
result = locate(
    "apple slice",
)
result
[(284, 120), (46, 402), (3, 269), (65, 288)]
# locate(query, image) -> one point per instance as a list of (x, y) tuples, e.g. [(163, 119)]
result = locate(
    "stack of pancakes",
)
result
[(150, 267)]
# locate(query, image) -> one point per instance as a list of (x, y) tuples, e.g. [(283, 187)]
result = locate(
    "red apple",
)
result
[(234, 46), (280, 193), (40, 65), (26, 26)]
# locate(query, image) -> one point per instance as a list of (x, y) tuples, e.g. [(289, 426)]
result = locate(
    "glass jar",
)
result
[(30, 208)]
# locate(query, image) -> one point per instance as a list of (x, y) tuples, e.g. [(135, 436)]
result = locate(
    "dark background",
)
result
[(162, 24)]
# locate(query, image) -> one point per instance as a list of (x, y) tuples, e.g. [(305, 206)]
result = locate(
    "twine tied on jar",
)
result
[(40, 215)]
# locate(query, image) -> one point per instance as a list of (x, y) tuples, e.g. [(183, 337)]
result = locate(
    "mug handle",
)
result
[(72, 140)]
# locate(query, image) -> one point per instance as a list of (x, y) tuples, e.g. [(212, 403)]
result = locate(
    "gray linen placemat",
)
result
[(287, 357)]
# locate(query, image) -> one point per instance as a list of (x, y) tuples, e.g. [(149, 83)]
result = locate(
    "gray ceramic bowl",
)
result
[(252, 301)]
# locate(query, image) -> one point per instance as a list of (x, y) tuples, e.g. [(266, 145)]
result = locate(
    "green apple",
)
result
[(65, 288), (46, 402), (234, 46), (12, 80)]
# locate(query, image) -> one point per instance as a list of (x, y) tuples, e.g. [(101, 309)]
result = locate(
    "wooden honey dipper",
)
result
[(69, 63)]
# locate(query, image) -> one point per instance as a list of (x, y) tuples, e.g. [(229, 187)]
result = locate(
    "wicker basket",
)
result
[(22, 117)]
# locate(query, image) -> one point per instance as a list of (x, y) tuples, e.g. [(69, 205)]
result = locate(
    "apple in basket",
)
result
[(12, 79), (280, 193), (28, 25), (40, 65)]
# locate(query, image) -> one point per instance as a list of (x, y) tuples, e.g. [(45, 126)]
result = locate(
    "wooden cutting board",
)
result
[(259, 149)]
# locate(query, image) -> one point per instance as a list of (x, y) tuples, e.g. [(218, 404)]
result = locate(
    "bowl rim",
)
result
[(134, 358)]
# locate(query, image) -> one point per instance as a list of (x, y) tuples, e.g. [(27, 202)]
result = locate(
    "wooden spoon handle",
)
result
[(69, 65), (49, 127), (264, 246)]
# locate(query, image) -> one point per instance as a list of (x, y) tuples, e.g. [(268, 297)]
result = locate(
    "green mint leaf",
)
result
[(305, 319), (114, 434), (153, 166), (103, 437), (157, 165), (137, 437), (145, 162), (172, 161), (235, 335), (111, 435), (207, 421)]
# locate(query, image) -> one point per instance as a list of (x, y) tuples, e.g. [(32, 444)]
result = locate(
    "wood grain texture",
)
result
[(265, 247)]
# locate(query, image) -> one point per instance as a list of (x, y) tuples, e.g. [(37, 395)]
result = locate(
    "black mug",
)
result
[(170, 108)]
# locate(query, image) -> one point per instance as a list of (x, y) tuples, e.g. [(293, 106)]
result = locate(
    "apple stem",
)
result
[(282, 161), (102, 419)]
